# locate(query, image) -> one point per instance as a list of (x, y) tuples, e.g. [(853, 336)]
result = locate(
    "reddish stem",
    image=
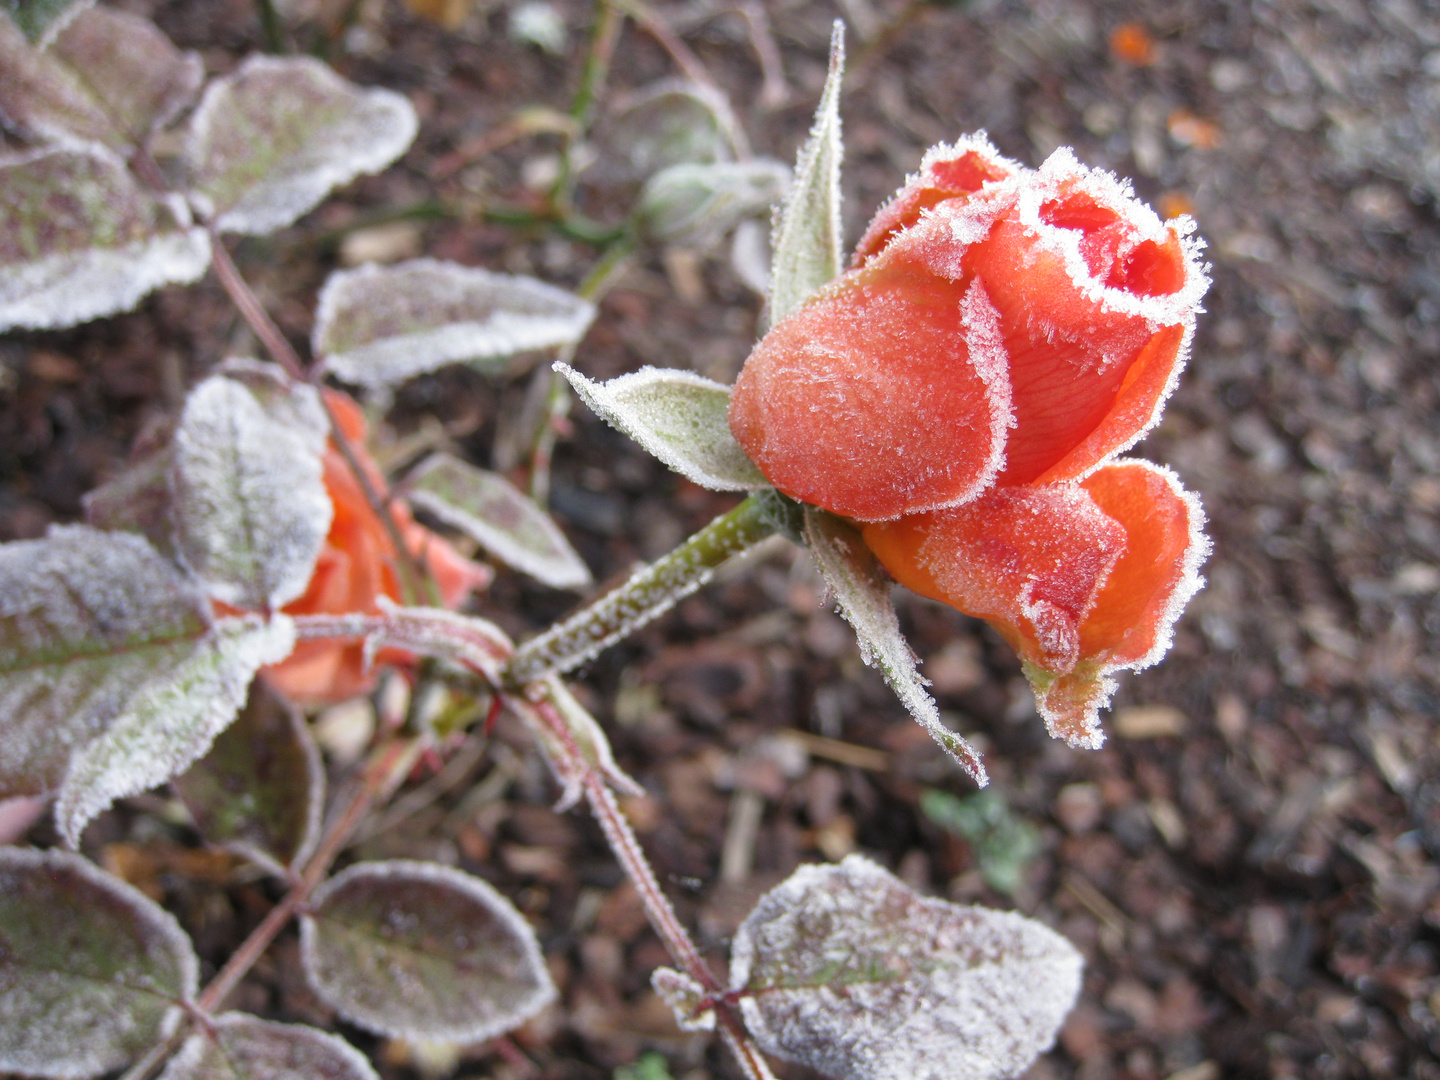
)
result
[(658, 909), (253, 311)]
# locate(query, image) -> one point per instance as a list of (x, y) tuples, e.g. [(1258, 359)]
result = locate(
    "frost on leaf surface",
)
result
[(494, 513), (697, 204), (679, 417), (847, 970), (380, 325), (91, 969), (41, 20), (79, 239), (243, 1047), (274, 137), (109, 77), (686, 997), (86, 619), (251, 511), (807, 240), (261, 787), (862, 592), (171, 721), (420, 951)]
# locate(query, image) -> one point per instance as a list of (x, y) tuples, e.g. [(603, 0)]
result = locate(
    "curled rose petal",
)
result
[(356, 567), (1081, 579), (1097, 301), (947, 173)]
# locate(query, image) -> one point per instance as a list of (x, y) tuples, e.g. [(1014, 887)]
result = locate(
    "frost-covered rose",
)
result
[(962, 391), (356, 567)]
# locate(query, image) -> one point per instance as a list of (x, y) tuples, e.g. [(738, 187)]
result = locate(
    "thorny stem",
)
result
[(658, 909), (650, 592)]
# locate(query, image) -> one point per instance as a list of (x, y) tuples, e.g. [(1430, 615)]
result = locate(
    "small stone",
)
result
[(1148, 722), (1079, 808), (388, 243)]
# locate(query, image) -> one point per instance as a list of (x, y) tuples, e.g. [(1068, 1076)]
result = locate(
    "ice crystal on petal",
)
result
[(420, 951), (1196, 552), (679, 417), (272, 138), (171, 721), (79, 239), (862, 594), (378, 326), (238, 1046), (251, 510), (846, 970), (91, 969)]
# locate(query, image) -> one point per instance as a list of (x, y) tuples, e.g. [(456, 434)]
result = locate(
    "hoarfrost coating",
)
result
[(845, 969)]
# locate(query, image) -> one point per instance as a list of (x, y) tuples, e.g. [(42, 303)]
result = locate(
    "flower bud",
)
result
[(962, 391)]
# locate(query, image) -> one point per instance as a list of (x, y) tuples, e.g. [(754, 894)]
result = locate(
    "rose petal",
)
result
[(1130, 625), (1030, 561), (886, 395), (1097, 300), (957, 171), (1131, 622)]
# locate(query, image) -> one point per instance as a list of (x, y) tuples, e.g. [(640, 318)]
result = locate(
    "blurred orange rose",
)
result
[(356, 567)]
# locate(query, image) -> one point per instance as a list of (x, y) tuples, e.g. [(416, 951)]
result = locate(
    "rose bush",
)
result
[(962, 392), (356, 567)]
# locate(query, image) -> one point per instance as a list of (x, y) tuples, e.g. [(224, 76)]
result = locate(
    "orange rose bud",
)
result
[(1080, 578), (356, 567), (1002, 325)]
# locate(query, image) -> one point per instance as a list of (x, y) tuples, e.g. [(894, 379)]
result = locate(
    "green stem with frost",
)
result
[(650, 592)]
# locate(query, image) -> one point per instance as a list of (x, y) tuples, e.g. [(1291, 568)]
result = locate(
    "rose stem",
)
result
[(658, 909), (650, 592)]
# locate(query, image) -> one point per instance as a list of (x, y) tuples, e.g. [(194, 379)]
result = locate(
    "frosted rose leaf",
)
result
[(847, 970)]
